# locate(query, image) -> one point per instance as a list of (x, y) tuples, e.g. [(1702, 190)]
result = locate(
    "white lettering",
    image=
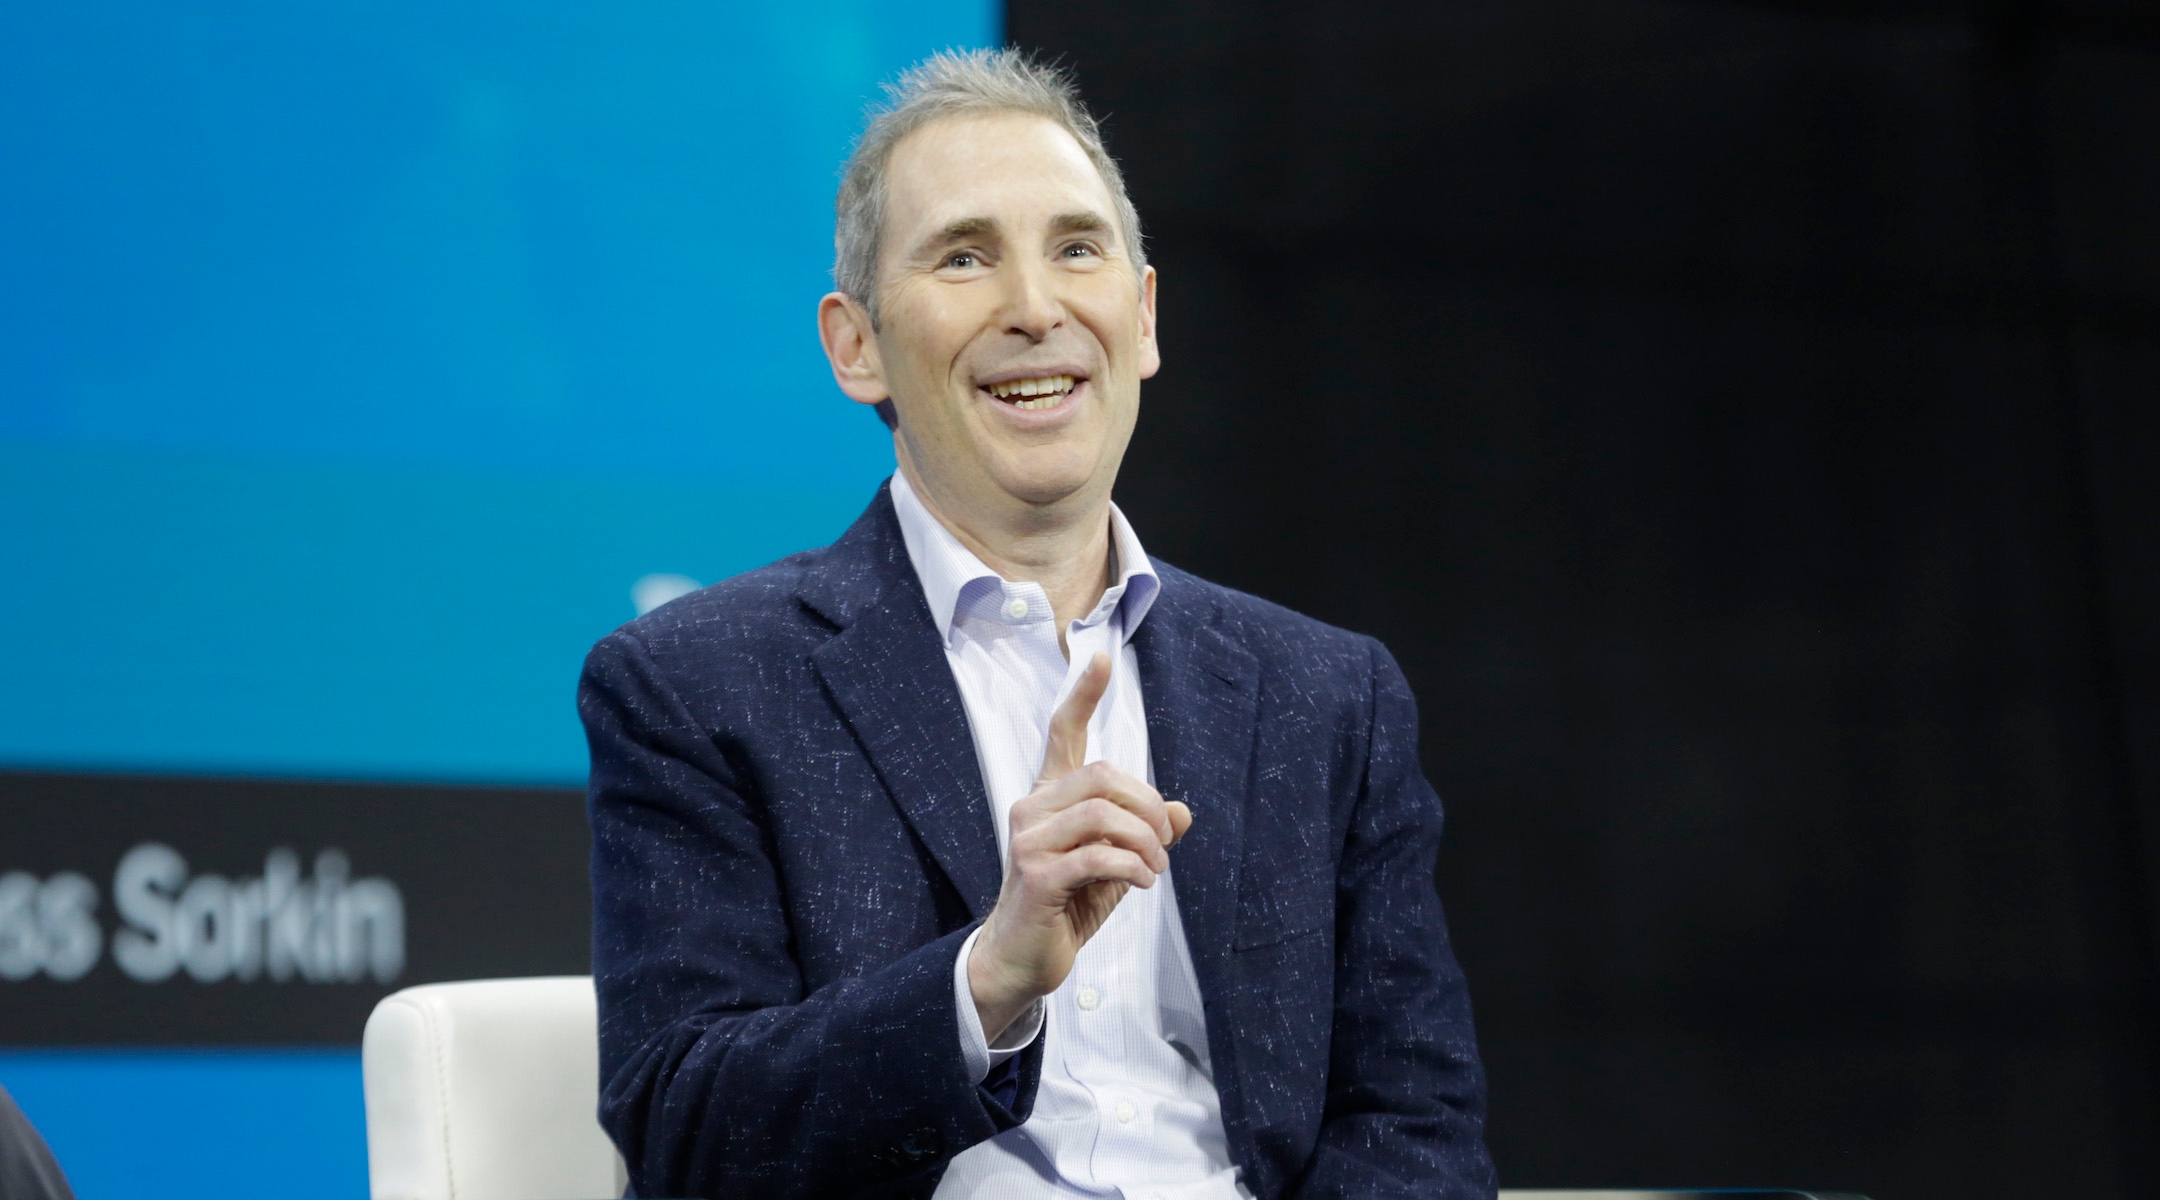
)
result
[(325, 929), (143, 889), (288, 911), (22, 950), (48, 927), (371, 918), (247, 918), (67, 908), (203, 931), (332, 869)]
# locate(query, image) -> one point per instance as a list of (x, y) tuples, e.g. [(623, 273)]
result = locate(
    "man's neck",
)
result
[(1067, 552)]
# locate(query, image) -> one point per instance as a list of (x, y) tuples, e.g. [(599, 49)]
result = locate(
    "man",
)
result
[(888, 898)]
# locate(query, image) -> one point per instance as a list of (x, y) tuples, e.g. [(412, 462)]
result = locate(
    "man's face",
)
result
[(1014, 329)]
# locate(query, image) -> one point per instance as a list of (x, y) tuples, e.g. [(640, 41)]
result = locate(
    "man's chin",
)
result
[(1045, 488)]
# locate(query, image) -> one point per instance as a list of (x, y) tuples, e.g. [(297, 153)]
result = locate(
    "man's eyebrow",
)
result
[(958, 230), (1082, 221)]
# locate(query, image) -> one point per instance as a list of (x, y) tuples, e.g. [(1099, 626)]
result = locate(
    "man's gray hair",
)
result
[(957, 84)]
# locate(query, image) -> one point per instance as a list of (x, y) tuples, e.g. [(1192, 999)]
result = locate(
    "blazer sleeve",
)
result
[(1405, 1111), (720, 1073)]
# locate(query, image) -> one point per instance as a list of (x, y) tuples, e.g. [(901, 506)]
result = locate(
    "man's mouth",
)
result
[(1042, 391)]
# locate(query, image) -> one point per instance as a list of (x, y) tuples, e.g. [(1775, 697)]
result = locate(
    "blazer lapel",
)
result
[(886, 672), (1202, 695)]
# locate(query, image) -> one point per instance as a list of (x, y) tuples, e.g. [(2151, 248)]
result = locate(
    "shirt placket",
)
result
[(1097, 1001)]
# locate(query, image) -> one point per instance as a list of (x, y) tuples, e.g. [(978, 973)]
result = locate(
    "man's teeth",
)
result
[(1050, 389)]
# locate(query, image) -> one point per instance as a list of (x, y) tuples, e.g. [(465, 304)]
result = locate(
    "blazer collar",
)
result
[(886, 672), (948, 570), (1202, 691), (1202, 695), (853, 573)]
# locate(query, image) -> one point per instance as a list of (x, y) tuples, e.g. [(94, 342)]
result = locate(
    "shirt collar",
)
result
[(946, 567)]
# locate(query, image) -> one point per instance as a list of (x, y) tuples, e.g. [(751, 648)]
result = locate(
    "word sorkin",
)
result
[(281, 925)]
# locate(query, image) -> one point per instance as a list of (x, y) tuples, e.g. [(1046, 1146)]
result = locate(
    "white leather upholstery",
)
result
[(486, 1091)]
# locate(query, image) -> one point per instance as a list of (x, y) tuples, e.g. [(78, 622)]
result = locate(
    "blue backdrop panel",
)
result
[(227, 613), (359, 358), (356, 362), (197, 1124)]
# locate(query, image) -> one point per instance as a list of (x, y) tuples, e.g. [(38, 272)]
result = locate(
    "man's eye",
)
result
[(1079, 250), (962, 260)]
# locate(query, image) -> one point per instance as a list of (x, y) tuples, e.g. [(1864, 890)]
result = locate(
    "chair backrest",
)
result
[(487, 1091)]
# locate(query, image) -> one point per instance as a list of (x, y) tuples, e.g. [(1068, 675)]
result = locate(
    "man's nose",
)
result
[(1032, 306)]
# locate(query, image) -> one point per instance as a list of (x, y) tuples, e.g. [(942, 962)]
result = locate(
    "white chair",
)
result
[(487, 1091)]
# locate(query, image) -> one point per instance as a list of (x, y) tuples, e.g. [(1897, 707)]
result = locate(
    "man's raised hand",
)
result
[(1078, 841)]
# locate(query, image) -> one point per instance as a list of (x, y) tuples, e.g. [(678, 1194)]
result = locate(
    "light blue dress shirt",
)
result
[(1126, 1106)]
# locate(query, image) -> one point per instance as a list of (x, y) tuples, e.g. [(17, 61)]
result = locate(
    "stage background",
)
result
[(1743, 421), (1740, 418), (361, 365)]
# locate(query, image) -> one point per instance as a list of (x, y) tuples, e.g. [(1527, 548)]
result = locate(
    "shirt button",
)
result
[(1124, 1112), (1090, 999), (1016, 609)]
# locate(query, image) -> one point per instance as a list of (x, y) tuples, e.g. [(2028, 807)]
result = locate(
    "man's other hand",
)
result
[(1083, 836)]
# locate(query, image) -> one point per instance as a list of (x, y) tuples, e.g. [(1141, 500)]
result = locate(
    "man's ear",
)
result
[(1150, 349), (851, 348)]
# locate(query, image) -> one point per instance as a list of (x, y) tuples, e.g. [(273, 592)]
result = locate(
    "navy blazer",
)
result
[(791, 840)]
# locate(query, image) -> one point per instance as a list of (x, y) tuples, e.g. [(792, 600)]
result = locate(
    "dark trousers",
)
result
[(27, 1169)]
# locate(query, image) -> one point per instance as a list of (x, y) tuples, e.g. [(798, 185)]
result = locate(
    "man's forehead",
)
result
[(974, 167)]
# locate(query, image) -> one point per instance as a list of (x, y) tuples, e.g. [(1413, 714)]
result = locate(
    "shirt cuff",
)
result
[(982, 1055)]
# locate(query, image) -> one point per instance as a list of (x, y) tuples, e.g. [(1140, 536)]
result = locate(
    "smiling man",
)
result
[(978, 854)]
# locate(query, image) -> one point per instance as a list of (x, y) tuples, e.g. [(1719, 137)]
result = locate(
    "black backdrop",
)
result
[(1741, 420)]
